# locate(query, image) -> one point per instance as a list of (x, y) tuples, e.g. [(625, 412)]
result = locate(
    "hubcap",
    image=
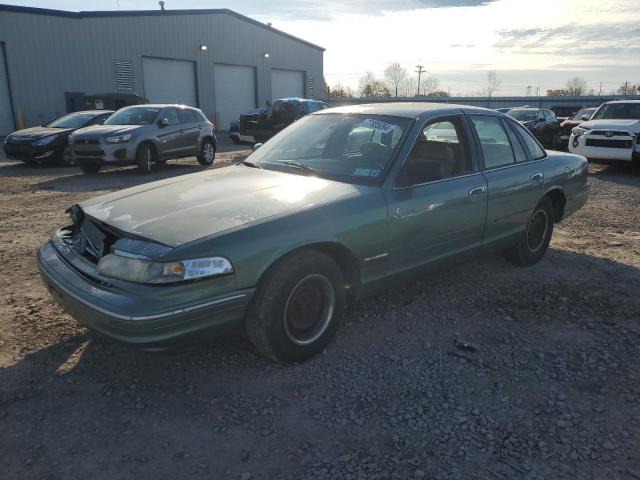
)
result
[(537, 230), (309, 309), (208, 152)]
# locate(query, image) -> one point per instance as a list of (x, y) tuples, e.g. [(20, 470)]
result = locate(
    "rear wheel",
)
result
[(297, 308), (144, 158), (207, 152), (534, 241), (90, 167)]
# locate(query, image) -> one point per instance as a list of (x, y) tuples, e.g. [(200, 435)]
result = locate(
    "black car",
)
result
[(234, 127), (283, 112), (541, 122), (49, 142)]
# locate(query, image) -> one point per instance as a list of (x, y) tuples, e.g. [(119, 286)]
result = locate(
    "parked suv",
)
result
[(570, 123), (145, 134), (613, 133), (48, 143), (541, 122)]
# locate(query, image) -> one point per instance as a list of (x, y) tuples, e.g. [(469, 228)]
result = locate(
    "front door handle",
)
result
[(536, 177), (476, 190)]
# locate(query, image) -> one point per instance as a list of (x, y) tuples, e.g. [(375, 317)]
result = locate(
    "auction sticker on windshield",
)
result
[(379, 125)]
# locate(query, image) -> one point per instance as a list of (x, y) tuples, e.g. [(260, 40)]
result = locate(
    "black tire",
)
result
[(144, 158), (297, 307), (90, 168), (66, 157), (207, 152), (534, 241)]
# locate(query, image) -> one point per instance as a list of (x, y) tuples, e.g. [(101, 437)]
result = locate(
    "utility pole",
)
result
[(420, 71), (626, 88), (528, 90), (537, 91), (600, 91)]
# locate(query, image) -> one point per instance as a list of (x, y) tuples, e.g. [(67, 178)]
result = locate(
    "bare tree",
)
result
[(394, 74), (408, 87), (576, 86), (370, 86), (493, 84), (431, 84), (340, 91)]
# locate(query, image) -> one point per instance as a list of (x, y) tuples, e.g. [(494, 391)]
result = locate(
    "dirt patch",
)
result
[(552, 390)]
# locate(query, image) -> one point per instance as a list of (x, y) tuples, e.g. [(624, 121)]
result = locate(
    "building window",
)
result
[(124, 75)]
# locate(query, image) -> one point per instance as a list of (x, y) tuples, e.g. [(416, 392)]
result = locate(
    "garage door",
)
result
[(6, 117), (169, 81), (286, 83), (235, 91)]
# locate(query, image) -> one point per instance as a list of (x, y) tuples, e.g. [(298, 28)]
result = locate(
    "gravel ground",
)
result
[(550, 388)]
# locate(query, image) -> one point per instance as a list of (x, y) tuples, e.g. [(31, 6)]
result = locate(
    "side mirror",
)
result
[(256, 146), (584, 117), (163, 123)]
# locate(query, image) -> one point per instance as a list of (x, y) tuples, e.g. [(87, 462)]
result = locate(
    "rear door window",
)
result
[(532, 147), (171, 114), (496, 147), (187, 116)]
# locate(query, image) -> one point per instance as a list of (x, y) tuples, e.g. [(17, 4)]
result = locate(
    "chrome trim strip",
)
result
[(138, 318), (473, 174), (376, 257)]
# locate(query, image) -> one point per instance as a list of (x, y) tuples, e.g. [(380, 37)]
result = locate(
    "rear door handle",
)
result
[(477, 190), (536, 177)]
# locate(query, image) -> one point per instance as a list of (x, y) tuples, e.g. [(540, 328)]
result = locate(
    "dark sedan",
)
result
[(541, 122), (49, 142)]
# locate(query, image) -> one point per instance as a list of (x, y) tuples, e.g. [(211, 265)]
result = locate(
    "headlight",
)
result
[(145, 271), (577, 131), (45, 140), (119, 138)]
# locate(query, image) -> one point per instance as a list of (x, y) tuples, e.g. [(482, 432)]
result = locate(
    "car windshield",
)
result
[(618, 111), (133, 116), (73, 120), (584, 112), (342, 147), (523, 115)]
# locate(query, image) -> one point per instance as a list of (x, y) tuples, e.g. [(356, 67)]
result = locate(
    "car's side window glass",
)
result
[(187, 116), (440, 152), (496, 148), (171, 115), (533, 148), (516, 144)]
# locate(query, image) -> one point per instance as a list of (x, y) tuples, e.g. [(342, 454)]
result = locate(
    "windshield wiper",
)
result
[(305, 168), (249, 163)]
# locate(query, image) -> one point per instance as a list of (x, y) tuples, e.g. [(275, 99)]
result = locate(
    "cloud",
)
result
[(312, 10)]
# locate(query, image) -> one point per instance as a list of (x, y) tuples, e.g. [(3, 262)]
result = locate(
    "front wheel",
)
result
[(66, 157), (534, 241), (297, 308), (143, 158), (207, 152)]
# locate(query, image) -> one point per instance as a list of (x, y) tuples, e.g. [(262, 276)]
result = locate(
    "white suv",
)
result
[(613, 133)]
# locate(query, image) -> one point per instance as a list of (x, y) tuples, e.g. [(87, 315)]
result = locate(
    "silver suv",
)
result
[(145, 134)]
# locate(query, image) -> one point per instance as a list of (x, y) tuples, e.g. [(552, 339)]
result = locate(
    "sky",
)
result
[(538, 44)]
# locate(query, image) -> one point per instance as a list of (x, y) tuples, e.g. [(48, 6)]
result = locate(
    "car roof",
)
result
[(162, 105), (403, 109), (92, 112), (624, 101)]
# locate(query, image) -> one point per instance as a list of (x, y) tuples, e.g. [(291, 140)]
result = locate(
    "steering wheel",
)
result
[(376, 153)]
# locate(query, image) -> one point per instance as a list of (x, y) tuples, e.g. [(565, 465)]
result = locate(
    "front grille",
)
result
[(596, 142), (93, 241), (611, 133)]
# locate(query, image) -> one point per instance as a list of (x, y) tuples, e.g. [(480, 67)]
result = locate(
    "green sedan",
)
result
[(327, 210)]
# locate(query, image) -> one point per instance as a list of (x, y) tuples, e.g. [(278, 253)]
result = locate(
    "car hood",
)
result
[(99, 131), (182, 209), (629, 125), (34, 133)]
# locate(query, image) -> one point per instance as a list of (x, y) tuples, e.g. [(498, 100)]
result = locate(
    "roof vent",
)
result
[(124, 75)]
